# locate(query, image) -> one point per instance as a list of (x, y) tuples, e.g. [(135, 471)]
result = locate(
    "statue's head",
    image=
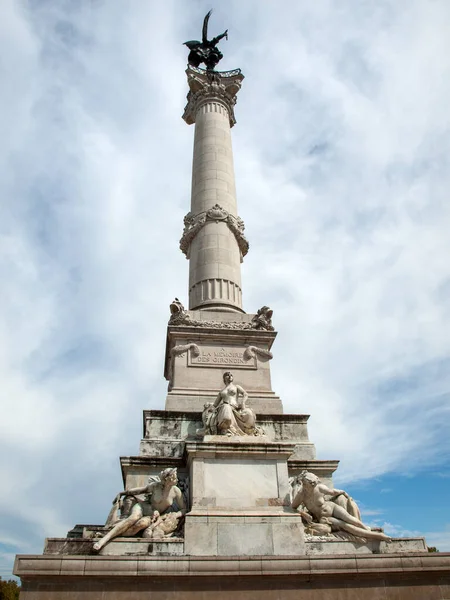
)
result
[(169, 475), (308, 478), (227, 377)]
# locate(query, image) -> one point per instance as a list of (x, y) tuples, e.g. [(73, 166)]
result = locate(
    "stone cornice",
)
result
[(304, 568), (205, 86)]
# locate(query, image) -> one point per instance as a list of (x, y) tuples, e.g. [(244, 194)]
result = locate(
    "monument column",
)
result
[(213, 238)]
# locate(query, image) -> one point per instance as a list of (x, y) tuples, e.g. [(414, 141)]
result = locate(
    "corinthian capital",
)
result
[(211, 86)]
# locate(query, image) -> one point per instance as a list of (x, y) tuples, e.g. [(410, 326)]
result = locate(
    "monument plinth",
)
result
[(226, 495)]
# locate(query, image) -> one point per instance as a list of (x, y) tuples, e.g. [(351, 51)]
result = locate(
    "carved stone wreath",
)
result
[(193, 224)]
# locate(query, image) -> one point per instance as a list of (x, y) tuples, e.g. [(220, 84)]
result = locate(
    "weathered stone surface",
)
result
[(181, 425), (339, 547), (129, 546), (240, 483), (243, 533), (118, 547), (422, 576), (232, 474)]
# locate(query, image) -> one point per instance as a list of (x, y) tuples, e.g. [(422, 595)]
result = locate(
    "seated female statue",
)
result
[(229, 414)]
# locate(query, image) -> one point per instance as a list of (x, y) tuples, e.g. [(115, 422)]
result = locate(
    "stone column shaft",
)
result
[(213, 237)]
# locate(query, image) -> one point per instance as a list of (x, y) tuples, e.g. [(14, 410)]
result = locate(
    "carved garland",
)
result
[(261, 321), (193, 224)]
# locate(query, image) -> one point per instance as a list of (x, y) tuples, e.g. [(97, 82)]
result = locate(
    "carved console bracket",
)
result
[(193, 224), (178, 351), (211, 86), (252, 351)]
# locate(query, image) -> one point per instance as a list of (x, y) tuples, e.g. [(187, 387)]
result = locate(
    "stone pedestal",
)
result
[(240, 499), (197, 356)]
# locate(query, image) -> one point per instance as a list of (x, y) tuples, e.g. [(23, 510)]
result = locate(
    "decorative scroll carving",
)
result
[(193, 224), (229, 415), (211, 86), (252, 351), (261, 321), (178, 351), (326, 510)]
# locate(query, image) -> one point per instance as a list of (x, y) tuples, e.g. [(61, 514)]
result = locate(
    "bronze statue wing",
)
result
[(205, 28), (192, 45)]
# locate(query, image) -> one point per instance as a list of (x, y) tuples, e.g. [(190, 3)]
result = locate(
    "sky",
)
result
[(342, 151)]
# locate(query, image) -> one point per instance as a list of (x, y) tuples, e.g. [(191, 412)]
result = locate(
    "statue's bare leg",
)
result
[(356, 530), (139, 526), (342, 514), (121, 527)]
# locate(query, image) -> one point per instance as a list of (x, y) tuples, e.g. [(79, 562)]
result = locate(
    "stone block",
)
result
[(403, 545), (239, 480), (288, 538), (200, 538), (216, 184), (244, 539), (336, 547), (117, 565), (139, 546), (162, 566), (232, 535)]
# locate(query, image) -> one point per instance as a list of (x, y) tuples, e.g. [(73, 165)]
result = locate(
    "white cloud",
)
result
[(341, 153)]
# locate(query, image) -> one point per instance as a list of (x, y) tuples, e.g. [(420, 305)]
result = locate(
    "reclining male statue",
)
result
[(151, 515), (330, 510)]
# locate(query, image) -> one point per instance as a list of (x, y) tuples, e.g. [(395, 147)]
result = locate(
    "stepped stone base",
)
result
[(121, 546), (416, 576)]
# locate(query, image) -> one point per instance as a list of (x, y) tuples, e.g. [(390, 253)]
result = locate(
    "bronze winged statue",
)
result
[(205, 51)]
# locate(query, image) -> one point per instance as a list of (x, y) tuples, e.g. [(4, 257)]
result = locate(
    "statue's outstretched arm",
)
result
[(330, 491), (217, 39), (138, 490)]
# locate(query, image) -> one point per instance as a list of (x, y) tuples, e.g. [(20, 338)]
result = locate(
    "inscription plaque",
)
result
[(222, 356)]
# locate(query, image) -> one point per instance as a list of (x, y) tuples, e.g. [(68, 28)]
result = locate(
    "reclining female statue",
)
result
[(152, 515), (330, 510)]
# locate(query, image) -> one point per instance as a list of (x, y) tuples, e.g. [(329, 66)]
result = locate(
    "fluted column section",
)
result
[(213, 237)]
